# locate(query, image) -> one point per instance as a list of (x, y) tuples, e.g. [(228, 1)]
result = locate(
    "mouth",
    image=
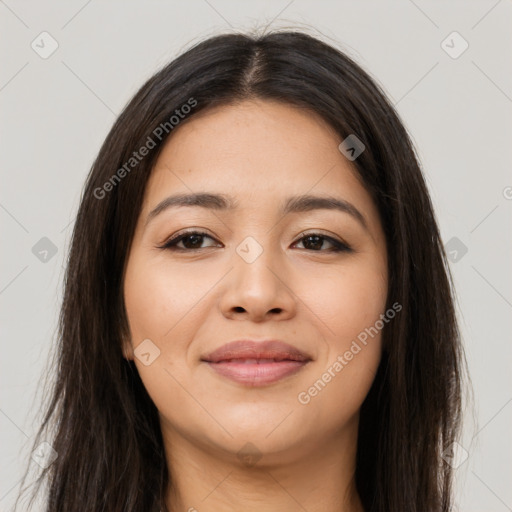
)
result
[(254, 363)]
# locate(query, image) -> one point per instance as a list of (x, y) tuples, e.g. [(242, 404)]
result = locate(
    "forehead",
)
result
[(258, 152), (273, 135)]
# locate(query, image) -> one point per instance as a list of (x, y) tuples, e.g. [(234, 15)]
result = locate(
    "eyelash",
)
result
[(171, 244)]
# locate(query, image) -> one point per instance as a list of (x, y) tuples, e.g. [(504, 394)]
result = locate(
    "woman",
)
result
[(258, 313)]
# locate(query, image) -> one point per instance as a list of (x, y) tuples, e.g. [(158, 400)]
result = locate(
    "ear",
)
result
[(127, 349)]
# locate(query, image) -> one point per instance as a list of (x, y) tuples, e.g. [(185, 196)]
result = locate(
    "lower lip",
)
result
[(254, 374)]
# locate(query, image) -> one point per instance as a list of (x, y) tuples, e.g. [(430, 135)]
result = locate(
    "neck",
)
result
[(208, 479)]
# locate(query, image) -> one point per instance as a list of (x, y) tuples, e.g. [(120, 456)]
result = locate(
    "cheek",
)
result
[(349, 303), (346, 299), (162, 305), (161, 300), (167, 306), (334, 397)]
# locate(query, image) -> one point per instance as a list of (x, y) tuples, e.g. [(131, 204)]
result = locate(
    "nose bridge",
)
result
[(257, 285), (255, 263)]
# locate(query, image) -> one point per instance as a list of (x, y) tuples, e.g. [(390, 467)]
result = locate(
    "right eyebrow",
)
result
[(203, 200)]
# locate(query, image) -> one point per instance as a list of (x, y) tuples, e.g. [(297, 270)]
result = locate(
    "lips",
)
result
[(256, 363)]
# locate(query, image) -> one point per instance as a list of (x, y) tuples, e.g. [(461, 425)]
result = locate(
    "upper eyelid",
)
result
[(204, 233), (177, 238)]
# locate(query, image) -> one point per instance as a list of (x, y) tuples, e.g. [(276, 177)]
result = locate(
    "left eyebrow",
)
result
[(306, 203), (294, 204)]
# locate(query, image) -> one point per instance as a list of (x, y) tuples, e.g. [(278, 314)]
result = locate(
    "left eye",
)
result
[(193, 240), (316, 240)]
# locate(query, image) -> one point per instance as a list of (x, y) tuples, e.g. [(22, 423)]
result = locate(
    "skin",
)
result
[(190, 303)]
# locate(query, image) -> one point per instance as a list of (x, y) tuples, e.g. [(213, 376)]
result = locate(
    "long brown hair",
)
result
[(106, 430)]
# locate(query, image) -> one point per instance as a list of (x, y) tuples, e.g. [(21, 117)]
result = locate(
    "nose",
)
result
[(258, 290)]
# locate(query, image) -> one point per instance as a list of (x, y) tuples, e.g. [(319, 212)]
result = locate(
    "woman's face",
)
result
[(260, 271)]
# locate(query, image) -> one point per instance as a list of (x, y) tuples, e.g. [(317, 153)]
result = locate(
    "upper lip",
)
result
[(249, 349)]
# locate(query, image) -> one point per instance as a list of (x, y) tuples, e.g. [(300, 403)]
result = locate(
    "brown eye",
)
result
[(315, 242), (190, 241), (193, 240)]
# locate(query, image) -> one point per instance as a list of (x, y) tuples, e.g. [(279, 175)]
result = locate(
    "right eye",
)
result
[(191, 240)]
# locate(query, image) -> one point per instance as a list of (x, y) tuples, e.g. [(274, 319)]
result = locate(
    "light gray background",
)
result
[(55, 113)]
